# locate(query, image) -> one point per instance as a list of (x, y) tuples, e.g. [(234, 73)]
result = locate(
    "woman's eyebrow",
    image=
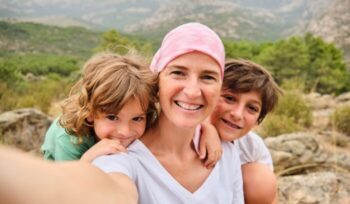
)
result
[(214, 73), (178, 67)]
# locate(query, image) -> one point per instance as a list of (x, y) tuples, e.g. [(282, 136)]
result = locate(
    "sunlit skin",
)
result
[(126, 125), (236, 114), (189, 89)]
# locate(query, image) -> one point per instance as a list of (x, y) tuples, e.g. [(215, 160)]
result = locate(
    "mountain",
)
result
[(34, 38), (333, 25), (228, 19), (239, 20), (107, 13), (61, 21), (258, 20)]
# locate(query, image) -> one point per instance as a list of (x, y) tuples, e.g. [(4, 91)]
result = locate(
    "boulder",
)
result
[(343, 98), (318, 101), (319, 187), (24, 128), (301, 152)]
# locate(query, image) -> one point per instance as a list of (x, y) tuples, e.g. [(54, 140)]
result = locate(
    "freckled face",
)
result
[(236, 114)]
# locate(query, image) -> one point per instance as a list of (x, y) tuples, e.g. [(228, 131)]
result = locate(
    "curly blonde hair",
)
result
[(108, 81)]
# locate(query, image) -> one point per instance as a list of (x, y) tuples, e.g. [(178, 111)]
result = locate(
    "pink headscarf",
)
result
[(187, 38)]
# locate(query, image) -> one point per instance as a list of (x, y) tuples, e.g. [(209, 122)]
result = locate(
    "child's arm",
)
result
[(210, 145), (103, 147)]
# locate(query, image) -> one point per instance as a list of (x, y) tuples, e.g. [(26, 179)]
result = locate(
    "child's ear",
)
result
[(89, 121), (90, 118)]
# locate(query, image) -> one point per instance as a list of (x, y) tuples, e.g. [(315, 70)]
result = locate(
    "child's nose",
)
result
[(237, 112), (124, 131)]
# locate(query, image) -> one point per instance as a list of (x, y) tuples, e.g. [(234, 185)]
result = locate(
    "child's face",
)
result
[(126, 126), (236, 114)]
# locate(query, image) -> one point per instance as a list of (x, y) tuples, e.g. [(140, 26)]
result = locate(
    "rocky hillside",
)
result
[(229, 19), (33, 38), (239, 20), (235, 19), (333, 24), (312, 166)]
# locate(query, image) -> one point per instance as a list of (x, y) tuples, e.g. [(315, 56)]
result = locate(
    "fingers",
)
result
[(212, 159), (116, 147), (202, 151), (109, 146)]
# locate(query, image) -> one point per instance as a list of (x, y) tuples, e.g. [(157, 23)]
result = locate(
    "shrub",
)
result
[(341, 119), (39, 94), (292, 114), (293, 105), (275, 125)]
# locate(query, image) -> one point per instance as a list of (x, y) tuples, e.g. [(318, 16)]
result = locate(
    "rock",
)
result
[(292, 150), (300, 153), (318, 101), (320, 187), (322, 118), (24, 128), (345, 97)]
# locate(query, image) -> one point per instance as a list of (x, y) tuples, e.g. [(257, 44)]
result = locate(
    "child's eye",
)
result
[(229, 98), (112, 117), (139, 118), (254, 109)]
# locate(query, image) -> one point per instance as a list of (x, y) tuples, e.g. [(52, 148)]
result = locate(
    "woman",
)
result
[(164, 164)]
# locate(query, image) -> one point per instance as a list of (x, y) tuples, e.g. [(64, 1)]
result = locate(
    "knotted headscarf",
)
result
[(187, 38)]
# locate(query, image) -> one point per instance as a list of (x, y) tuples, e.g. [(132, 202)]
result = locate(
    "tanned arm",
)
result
[(29, 180)]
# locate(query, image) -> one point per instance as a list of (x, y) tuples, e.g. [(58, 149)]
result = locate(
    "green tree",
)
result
[(285, 58), (116, 42), (326, 72), (113, 41), (318, 65), (243, 49)]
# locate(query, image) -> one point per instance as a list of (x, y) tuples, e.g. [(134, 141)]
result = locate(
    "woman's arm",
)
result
[(25, 179)]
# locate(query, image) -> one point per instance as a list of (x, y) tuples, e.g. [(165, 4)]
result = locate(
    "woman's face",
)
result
[(189, 88)]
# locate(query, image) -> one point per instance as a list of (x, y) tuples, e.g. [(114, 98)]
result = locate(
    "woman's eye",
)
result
[(138, 119), (112, 117), (178, 73), (209, 77)]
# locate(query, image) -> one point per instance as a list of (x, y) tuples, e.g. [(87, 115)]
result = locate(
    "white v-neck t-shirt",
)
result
[(155, 185)]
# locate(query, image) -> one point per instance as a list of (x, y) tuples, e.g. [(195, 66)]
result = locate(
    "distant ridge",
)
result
[(61, 21)]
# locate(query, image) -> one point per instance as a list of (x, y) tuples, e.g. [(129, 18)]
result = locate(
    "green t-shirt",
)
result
[(59, 145)]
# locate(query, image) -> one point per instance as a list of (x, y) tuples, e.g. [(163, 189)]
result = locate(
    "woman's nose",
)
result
[(192, 88)]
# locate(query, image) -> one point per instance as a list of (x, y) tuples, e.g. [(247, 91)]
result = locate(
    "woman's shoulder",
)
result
[(125, 162)]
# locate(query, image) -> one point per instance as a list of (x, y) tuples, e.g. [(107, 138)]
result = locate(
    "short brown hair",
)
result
[(108, 81), (243, 76)]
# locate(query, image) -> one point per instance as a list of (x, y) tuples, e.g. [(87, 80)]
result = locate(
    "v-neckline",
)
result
[(175, 185)]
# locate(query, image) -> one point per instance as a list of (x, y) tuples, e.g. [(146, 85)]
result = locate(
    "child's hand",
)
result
[(103, 147), (210, 145)]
